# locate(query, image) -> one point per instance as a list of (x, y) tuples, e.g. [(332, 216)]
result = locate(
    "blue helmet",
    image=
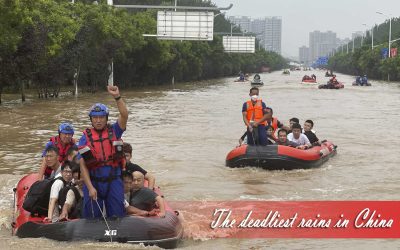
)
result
[(98, 109), (66, 128)]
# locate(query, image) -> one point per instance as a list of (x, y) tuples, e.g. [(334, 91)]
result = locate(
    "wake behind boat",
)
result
[(163, 232)]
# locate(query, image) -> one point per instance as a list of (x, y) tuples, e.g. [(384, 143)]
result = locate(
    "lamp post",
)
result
[(390, 27), (364, 34), (372, 38)]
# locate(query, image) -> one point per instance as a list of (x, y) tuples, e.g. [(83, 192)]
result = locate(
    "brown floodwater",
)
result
[(182, 134)]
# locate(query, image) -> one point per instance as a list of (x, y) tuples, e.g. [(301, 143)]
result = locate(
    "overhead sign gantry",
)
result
[(192, 23)]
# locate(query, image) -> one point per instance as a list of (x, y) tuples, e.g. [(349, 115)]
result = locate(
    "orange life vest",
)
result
[(255, 112), (102, 149), (62, 151)]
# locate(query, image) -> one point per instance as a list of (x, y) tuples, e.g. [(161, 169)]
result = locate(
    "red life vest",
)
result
[(102, 149), (255, 112), (62, 152), (274, 126)]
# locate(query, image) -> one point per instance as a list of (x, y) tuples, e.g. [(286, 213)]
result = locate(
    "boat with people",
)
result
[(361, 81), (279, 157), (164, 232), (309, 79), (257, 80), (286, 72), (328, 85), (329, 73)]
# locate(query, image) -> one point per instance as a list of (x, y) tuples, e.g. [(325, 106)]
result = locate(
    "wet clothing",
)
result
[(107, 181), (143, 199)]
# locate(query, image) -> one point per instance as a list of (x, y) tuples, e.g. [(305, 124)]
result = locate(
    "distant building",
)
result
[(268, 30), (321, 44), (304, 55), (243, 21)]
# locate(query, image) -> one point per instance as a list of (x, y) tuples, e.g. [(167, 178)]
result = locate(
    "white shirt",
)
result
[(54, 192), (302, 140)]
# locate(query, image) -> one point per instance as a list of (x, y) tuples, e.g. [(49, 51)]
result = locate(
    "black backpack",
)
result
[(38, 196), (62, 196)]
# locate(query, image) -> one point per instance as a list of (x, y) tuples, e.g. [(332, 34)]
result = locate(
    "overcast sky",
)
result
[(300, 17)]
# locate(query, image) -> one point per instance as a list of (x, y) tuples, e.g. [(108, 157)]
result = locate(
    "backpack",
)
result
[(62, 196), (38, 196)]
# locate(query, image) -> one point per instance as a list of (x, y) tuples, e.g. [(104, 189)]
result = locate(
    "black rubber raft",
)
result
[(276, 157), (164, 232)]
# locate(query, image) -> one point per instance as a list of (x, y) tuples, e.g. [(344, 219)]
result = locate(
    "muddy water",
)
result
[(183, 133)]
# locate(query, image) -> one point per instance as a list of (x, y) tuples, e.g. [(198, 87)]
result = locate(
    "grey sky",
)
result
[(299, 17)]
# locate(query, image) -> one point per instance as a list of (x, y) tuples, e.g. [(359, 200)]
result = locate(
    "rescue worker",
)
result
[(254, 117), (63, 142), (101, 160)]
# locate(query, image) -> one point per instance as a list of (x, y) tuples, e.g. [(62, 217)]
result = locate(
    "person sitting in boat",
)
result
[(241, 76), (314, 77), (257, 77), (297, 137), (101, 160), (63, 142), (364, 80), (70, 196), (273, 121), (291, 122), (141, 200), (131, 167), (306, 77), (282, 139), (51, 161), (270, 135), (332, 82), (254, 117), (72, 154), (58, 184), (358, 80), (307, 130)]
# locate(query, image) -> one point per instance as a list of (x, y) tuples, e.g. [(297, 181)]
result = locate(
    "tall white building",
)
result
[(321, 43), (268, 30)]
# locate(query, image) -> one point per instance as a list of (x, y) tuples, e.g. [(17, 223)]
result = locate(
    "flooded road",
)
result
[(183, 133)]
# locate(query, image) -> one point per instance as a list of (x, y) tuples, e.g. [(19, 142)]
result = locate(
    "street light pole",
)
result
[(390, 29), (364, 34), (372, 38), (390, 34)]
